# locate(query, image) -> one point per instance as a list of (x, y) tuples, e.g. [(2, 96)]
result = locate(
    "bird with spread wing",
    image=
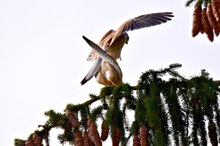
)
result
[(105, 69)]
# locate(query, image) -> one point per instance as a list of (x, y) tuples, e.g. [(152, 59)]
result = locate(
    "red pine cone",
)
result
[(143, 136), (206, 26), (216, 9), (29, 142), (93, 133), (89, 121), (67, 126), (136, 140), (78, 138), (197, 25), (116, 135), (212, 133), (37, 140), (73, 119), (86, 140), (212, 21), (105, 131)]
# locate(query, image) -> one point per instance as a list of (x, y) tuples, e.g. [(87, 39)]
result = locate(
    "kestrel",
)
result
[(115, 40), (112, 43), (105, 68)]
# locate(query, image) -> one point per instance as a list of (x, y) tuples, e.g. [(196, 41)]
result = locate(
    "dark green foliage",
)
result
[(96, 113), (56, 119), (19, 142), (173, 111)]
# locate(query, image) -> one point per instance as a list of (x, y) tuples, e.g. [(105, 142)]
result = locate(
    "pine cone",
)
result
[(197, 25), (37, 140), (89, 122), (143, 136), (67, 126), (206, 25), (73, 119), (105, 131), (29, 142), (86, 140), (93, 133), (78, 138), (116, 135), (212, 21), (216, 9), (136, 140), (212, 133)]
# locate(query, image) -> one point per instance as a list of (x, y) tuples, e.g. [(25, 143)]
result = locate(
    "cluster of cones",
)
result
[(91, 136), (206, 18), (141, 139)]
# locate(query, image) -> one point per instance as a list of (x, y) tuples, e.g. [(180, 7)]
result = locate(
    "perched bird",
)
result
[(112, 43), (115, 40), (105, 68)]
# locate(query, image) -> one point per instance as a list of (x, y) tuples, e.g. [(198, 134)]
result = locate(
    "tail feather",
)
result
[(93, 71), (83, 81)]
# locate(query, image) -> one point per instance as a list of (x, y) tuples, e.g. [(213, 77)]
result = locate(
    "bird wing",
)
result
[(92, 72), (142, 22), (104, 56), (105, 39)]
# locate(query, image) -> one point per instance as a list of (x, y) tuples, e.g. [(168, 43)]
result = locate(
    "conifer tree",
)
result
[(180, 111), (173, 111)]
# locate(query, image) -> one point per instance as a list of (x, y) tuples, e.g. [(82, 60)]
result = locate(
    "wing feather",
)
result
[(104, 40), (104, 56), (142, 22), (92, 72)]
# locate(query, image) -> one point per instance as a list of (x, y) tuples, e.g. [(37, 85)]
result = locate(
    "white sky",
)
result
[(43, 55)]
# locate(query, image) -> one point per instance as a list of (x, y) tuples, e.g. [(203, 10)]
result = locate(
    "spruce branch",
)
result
[(162, 109)]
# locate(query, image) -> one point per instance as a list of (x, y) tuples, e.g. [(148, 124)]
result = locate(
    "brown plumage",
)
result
[(113, 41), (106, 69), (107, 75)]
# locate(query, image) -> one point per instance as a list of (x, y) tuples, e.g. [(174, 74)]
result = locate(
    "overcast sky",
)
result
[(43, 55)]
